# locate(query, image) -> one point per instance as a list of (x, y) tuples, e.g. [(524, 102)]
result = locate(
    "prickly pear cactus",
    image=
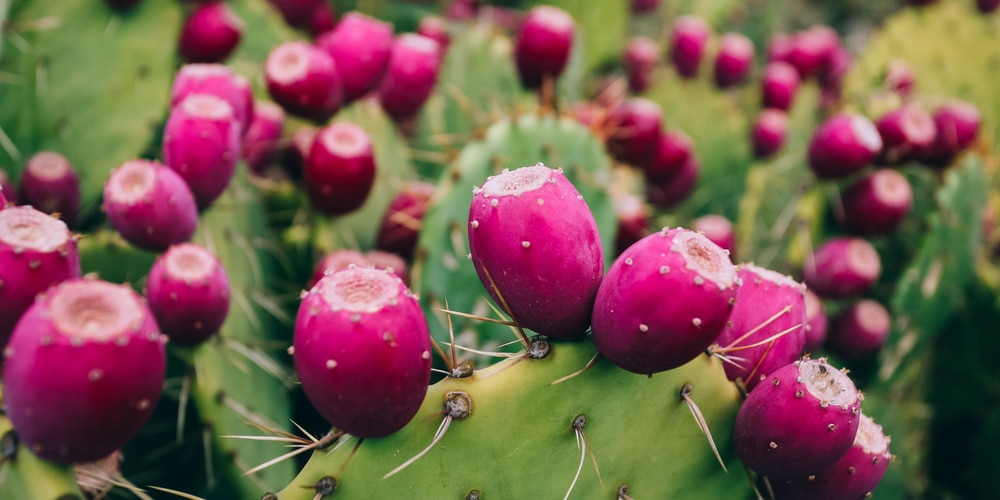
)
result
[(29, 476)]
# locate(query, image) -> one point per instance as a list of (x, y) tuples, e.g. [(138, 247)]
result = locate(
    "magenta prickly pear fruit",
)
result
[(644, 6), (322, 20), (769, 132), (335, 261), (462, 10), (210, 33), (296, 153), (188, 292), (296, 12), (687, 44), (633, 220), (842, 267), (853, 477), (340, 170), (719, 230), (640, 58), (359, 46), (150, 205), (734, 60), (859, 331), (904, 130), (410, 76), (668, 191), (638, 123), (957, 124), (218, 80), (801, 419), (768, 304), (260, 143), (201, 142), (50, 184), (90, 349), (899, 78), (778, 86), (987, 6), (7, 188), (362, 351), (674, 149), (811, 51), (664, 301), (3, 200), (403, 218), (543, 45), (876, 203), (304, 80), (535, 246), (833, 74), (779, 46), (816, 322), (435, 28), (36, 252), (387, 260), (842, 145)]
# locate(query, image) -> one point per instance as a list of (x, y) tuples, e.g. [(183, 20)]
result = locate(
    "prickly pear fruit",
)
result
[(899, 78), (987, 6), (188, 292), (435, 28), (811, 50), (362, 351), (904, 130), (733, 61), (633, 220), (719, 230), (957, 125), (640, 58), (410, 75), (335, 261), (769, 132), (211, 33), (340, 169), (150, 205), (201, 142), (778, 85), (50, 184), (218, 80), (665, 192), (260, 144), (83, 370), (816, 322), (687, 44), (543, 45), (801, 419), (403, 218), (673, 150), (322, 20), (7, 188), (842, 145), (664, 301), (842, 267), (296, 12), (859, 331), (359, 46), (638, 123), (877, 203), (389, 261), (304, 80)]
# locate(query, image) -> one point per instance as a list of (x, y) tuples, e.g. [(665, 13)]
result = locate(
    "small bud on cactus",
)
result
[(296, 12), (150, 205), (188, 292), (877, 203), (778, 85), (859, 331), (359, 46), (403, 218), (668, 191), (957, 124), (842, 267), (904, 131), (340, 170), (842, 145), (816, 322), (260, 144), (87, 349), (210, 33), (769, 132), (640, 58), (304, 80), (664, 301), (217, 80), (687, 44), (638, 123), (673, 150), (201, 142), (410, 75), (50, 184), (435, 28), (899, 78), (543, 45), (719, 230), (733, 61)]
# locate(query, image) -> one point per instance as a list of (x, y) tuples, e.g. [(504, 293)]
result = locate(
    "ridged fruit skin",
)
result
[(673, 149), (663, 301), (36, 252), (211, 33), (543, 45), (842, 145), (668, 191), (687, 44), (304, 81), (359, 46), (400, 227), (860, 330), (760, 314), (410, 75), (340, 170), (842, 267), (734, 60), (958, 124), (719, 230), (150, 205), (188, 292), (769, 132), (640, 57), (789, 427), (218, 80), (904, 131), (534, 242), (261, 142), (638, 124), (817, 324), (876, 203), (50, 183), (201, 142), (75, 393), (362, 350), (778, 85)]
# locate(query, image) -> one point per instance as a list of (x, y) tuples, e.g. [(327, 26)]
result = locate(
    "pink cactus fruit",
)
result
[(859, 331), (462, 10), (832, 76), (842, 145), (904, 131), (295, 155), (36, 252), (400, 227), (640, 58), (335, 261), (842, 267), (957, 124), (322, 20), (410, 76), (7, 188), (359, 46), (778, 85), (201, 142), (664, 301), (811, 51), (150, 205), (673, 149), (636, 127), (435, 28), (769, 132), (3, 200), (769, 315), (669, 191), (380, 259), (899, 78), (211, 33), (876, 203), (50, 183), (261, 142), (779, 46), (543, 45), (535, 246), (296, 12), (340, 170), (188, 292), (816, 322), (719, 230), (801, 419), (633, 220), (89, 349), (687, 44), (218, 80), (304, 81), (362, 351), (734, 60), (644, 6), (854, 476)]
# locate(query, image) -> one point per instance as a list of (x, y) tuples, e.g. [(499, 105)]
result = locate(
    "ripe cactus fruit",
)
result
[(640, 58), (403, 218), (188, 292), (769, 132), (811, 51), (260, 143), (335, 261), (860, 330), (389, 261), (211, 33), (36, 252), (150, 205), (322, 20), (89, 349), (842, 267), (778, 85), (816, 322), (304, 81), (673, 149), (668, 191), (7, 188), (664, 301), (801, 419), (435, 28), (633, 220), (899, 78), (410, 76), (536, 248), (362, 351), (359, 46), (340, 170), (842, 145), (296, 12), (957, 125), (876, 203), (734, 60), (218, 80), (904, 131), (687, 44), (638, 123), (543, 45), (719, 230), (50, 184), (201, 142)]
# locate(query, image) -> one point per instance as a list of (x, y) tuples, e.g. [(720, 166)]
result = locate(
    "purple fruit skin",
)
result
[(211, 33), (653, 312), (987, 6), (50, 184), (842, 145), (668, 191), (859, 331), (816, 322), (164, 214), (779, 46), (640, 58), (533, 234), (201, 142), (543, 45), (190, 305), (842, 267), (27, 271), (734, 60), (359, 46), (784, 431), (769, 132), (763, 295), (3, 200), (687, 44), (778, 86), (109, 386), (410, 76), (811, 51), (719, 230), (638, 123), (218, 80), (876, 203), (904, 130), (260, 143), (401, 222), (364, 366), (674, 148), (322, 20), (314, 90), (339, 175), (633, 220), (296, 12), (957, 125)]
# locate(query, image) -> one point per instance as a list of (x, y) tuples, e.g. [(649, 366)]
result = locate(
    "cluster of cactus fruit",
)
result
[(324, 230)]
